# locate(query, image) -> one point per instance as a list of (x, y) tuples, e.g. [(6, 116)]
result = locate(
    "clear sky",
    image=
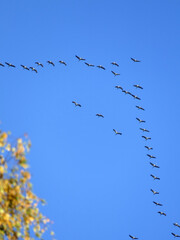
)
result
[(97, 184)]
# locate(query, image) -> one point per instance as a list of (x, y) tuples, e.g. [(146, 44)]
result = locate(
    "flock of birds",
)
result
[(144, 130)]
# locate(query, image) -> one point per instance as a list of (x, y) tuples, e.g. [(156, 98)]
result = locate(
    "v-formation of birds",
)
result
[(99, 115)]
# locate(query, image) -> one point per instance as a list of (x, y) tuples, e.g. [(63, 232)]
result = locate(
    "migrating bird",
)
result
[(146, 138), (176, 225), (89, 65), (50, 62), (39, 64), (140, 108), (157, 204), (24, 67), (162, 213), (99, 115), (2, 65), (100, 66), (117, 133), (119, 87), (175, 235), (76, 104), (79, 58), (150, 156), (135, 60), (148, 148), (115, 74), (33, 69), (144, 130), (115, 64), (155, 178), (62, 62), (10, 65), (137, 86), (135, 97), (126, 92), (141, 121), (154, 192), (133, 237), (154, 165)]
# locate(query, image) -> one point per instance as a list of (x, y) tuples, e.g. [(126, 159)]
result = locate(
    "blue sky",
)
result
[(97, 185)]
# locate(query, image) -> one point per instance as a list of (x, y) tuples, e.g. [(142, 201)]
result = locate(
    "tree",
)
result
[(20, 217)]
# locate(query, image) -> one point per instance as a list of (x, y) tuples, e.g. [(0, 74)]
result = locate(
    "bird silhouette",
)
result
[(162, 213), (39, 64), (50, 62), (62, 62), (115, 74), (117, 133), (79, 58), (151, 156), (146, 138), (135, 97), (132, 237), (148, 148), (155, 178), (2, 65), (140, 108), (119, 87), (33, 69), (137, 86), (76, 104), (144, 130), (154, 165), (157, 204), (24, 67), (154, 192), (115, 64), (99, 115), (176, 225), (126, 92), (100, 66), (135, 60), (140, 120), (175, 235), (10, 64), (89, 65)]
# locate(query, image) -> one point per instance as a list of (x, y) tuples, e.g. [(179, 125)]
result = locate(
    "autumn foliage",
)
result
[(20, 217)]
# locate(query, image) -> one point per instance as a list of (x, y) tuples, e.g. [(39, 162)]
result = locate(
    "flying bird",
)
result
[(154, 165), (154, 192), (126, 92), (140, 120), (115, 64), (50, 62), (117, 133), (148, 148), (175, 235), (10, 65), (100, 66), (89, 65), (79, 58), (24, 67), (2, 65), (39, 64), (132, 237), (33, 69), (76, 104), (119, 87), (140, 108), (144, 130), (115, 74), (137, 86), (157, 204), (162, 213), (146, 138), (176, 225), (99, 115), (151, 156), (62, 62), (135, 97), (155, 178), (135, 60)]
